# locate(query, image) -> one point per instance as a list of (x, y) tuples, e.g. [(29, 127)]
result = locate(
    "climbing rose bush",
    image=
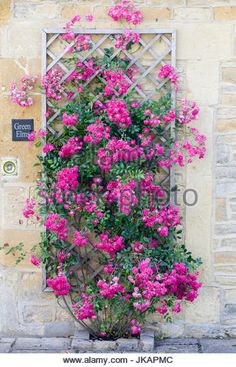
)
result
[(111, 244)]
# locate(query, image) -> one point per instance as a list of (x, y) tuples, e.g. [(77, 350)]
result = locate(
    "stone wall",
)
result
[(206, 57)]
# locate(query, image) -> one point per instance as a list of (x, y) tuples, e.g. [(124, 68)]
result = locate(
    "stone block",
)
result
[(127, 345), (147, 340), (59, 329), (225, 188), (172, 330), (198, 90), (222, 153), (167, 3), (155, 14), (70, 10), (82, 345), (227, 257), (221, 209), (204, 44), (230, 295), (5, 11), (30, 313), (228, 99), (225, 172), (19, 36), (203, 330), (226, 280), (24, 11), (104, 346), (192, 14), (228, 75), (205, 3), (5, 347), (206, 308), (225, 13), (229, 243), (225, 125), (42, 344)]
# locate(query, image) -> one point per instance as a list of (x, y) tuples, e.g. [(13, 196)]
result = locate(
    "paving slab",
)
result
[(176, 348), (218, 345), (174, 341), (42, 344)]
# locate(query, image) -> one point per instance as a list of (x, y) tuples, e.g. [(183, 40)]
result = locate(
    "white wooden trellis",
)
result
[(156, 45)]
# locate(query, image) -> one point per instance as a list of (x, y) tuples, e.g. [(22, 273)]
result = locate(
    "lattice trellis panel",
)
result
[(156, 48)]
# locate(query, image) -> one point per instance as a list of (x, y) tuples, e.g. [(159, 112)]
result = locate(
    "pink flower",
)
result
[(79, 239), (52, 82), (125, 10), (35, 260), (48, 148), (21, 96), (89, 17), (110, 245), (73, 146), (176, 308), (31, 136), (55, 224), (84, 309), (67, 178), (168, 71), (117, 112), (28, 209), (97, 132), (69, 120), (60, 285), (109, 290)]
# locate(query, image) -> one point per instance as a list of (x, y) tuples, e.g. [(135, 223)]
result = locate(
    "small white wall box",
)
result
[(9, 167)]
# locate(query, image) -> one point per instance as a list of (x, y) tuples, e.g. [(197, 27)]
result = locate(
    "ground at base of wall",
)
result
[(65, 345)]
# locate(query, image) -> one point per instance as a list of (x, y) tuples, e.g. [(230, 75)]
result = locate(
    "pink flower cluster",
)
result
[(123, 193), (69, 120), (168, 71), (86, 310), (52, 82), (34, 135), (48, 148), (153, 120), (28, 209), (55, 224), (169, 117), (118, 150), (125, 10), (148, 187), (139, 247), (60, 285), (82, 42), (116, 82), (21, 96), (164, 219), (128, 37), (73, 146), (117, 112), (83, 72), (110, 245), (109, 290), (67, 178), (80, 239), (97, 132), (189, 112), (183, 153), (135, 327), (181, 283), (35, 260)]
